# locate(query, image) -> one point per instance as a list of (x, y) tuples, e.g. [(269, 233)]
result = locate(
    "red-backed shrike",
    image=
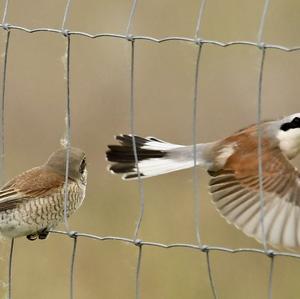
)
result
[(33, 202), (233, 164)]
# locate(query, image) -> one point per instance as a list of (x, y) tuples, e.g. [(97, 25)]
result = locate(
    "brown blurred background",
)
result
[(100, 95)]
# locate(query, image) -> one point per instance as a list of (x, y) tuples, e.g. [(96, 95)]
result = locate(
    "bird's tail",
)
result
[(155, 157)]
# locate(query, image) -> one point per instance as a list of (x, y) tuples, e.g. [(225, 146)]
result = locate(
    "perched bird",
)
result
[(233, 165), (33, 202)]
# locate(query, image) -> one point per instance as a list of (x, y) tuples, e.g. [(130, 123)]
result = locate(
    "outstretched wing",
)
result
[(36, 182), (235, 192)]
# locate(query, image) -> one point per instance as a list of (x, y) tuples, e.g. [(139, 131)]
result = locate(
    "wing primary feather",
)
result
[(236, 198)]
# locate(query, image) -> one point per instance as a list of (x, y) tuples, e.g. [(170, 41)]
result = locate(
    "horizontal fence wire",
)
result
[(203, 248), (132, 39)]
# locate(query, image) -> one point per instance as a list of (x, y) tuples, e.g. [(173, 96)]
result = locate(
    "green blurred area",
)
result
[(164, 87)]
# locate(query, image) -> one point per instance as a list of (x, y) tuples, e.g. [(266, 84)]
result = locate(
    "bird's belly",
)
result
[(37, 214)]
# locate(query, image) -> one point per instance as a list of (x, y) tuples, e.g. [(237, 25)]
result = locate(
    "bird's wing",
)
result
[(36, 182), (236, 194)]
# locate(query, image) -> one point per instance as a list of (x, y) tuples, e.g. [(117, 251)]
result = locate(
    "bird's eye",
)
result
[(295, 123), (82, 166), (296, 120)]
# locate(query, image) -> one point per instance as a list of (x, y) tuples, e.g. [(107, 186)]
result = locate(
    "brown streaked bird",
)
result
[(33, 202), (233, 164)]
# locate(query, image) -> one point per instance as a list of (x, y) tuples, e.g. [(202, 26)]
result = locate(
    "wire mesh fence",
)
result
[(199, 43)]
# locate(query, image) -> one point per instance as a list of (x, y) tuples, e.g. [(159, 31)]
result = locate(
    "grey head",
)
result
[(77, 162)]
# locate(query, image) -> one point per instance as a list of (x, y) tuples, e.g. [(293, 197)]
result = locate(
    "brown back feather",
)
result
[(36, 182)]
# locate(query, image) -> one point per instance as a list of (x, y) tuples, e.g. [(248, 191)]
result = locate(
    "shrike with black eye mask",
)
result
[(233, 165)]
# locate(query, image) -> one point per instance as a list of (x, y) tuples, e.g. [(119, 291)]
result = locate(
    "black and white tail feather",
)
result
[(155, 157)]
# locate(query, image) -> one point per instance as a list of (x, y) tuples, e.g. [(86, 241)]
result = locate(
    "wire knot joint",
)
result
[(138, 242), (65, 32), (130, 37), (6, 26), (72, 234), (270, 253), (261, 46), (204, 248), (199, 41)]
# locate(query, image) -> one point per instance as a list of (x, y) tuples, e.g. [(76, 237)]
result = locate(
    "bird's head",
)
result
[(288, 134), (77, 163)]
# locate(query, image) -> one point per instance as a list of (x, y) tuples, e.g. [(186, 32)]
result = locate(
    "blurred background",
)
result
[(164, 86)]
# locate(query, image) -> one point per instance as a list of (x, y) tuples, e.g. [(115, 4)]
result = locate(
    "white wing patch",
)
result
[(225, 153)]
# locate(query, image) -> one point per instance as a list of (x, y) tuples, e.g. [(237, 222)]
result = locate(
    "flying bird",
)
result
[(32, 203), (232, 164)]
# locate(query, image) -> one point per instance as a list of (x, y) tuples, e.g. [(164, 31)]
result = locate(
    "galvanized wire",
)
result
[(259, 137), (271, 271), (263, 21), (140, 183), (132, 130), (210, 276), (138, 270), (203, 248), (2, 108), (10, 264), (72, 266), (131, 16), (153, 39), (259, 149), (66, 13), (196, 184), (68, 131), (199, 19), (5, 11)]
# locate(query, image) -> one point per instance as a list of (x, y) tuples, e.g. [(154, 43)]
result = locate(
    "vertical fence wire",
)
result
[(199, 19), (138, 273), (258, 120), (263, 21), (2, 108), (260, 150), (10, 264), (5, 11), (131, 16), (270, 280), (132, 122), (72, 266), (68, 132), (2, 140), (66, 13), (210, 277), (132, 130), (260, 143), (140, 183), (196, 184)]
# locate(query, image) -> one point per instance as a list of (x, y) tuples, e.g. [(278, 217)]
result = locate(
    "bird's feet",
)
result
[(32, 237), (42, 235)]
